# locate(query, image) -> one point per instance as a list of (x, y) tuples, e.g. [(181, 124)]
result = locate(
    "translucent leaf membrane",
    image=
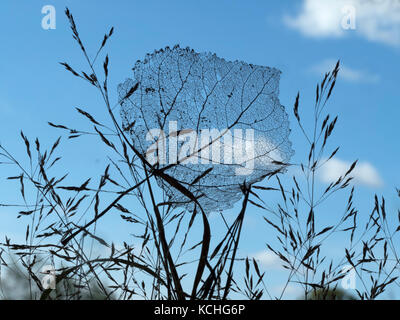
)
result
[(216, 124)]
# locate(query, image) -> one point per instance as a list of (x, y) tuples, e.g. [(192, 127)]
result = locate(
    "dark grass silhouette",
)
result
[(63, 219)]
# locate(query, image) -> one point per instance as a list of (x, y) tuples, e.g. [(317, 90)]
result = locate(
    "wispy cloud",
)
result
[(290, 291), (268, 260), (377, 21), (363, 174), (346, 73)]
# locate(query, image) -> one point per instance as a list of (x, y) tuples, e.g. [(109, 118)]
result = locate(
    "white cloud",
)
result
[(346, 73), (290, 292), (375, 20), (268, 260), (364, 173)]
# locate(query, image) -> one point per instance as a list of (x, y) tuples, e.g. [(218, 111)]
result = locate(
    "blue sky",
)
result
[(284, 34)]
